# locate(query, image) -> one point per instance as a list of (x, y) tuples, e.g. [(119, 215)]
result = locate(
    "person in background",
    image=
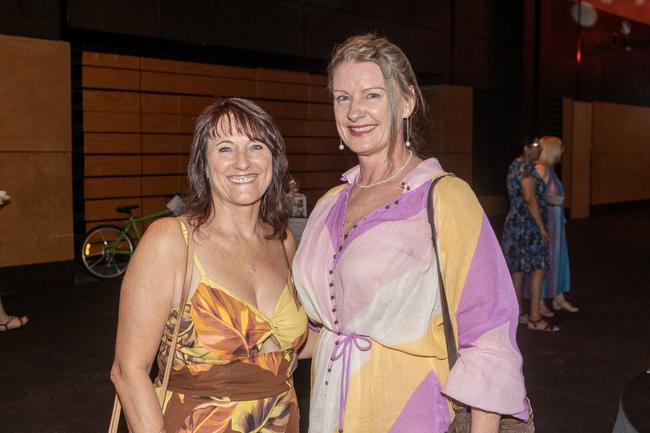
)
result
[(367, 275), (7, 322), (557, 280), (525, 237)]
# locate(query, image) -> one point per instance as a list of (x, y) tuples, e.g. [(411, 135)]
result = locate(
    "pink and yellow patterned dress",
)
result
[(221, 381), (380, 364)]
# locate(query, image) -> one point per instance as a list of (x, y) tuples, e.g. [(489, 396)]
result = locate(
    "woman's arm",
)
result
[(483, 306), (528, 193), (484, 422), (307, 349), (148, 293)]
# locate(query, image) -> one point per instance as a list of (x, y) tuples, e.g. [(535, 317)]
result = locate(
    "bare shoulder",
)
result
[(163, 238), (541, 169)]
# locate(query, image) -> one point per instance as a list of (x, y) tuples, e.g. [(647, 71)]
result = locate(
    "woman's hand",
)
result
[(4, 197), (485, 422), (545, 236)]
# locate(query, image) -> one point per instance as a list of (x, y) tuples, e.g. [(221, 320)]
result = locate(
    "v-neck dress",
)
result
[(220, 380), (380, 364)]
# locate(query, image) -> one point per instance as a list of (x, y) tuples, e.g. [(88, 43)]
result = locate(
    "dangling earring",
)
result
[(408, 131), (341, 146)]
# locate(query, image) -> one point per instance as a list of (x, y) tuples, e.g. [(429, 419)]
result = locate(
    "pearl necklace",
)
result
[(356, 182)]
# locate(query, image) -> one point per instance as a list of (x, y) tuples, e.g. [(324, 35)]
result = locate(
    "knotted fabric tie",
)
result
[(343, 351)]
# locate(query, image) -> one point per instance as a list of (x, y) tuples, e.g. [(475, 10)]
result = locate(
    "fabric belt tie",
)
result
[(343, 351)]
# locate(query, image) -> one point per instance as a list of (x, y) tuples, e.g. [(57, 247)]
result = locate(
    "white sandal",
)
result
[(559, 303)]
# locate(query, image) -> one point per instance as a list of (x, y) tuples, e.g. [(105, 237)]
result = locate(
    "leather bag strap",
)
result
[(117, 406), (450, 338), (181, 307)]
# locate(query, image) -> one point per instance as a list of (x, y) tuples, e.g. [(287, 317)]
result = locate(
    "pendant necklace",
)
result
[(399, 170), (253, 263)]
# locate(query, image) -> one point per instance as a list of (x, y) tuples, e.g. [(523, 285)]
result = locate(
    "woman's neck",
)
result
[(376, 167), (235, 221)]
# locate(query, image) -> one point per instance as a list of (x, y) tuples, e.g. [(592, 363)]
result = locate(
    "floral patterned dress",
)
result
[(522, 243), (221, 381)]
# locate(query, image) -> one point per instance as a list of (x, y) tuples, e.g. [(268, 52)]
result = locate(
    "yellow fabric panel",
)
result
[(459, 218), (370, 410)]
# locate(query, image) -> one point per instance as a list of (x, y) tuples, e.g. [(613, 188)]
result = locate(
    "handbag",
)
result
[(462, 422), (117, 406)]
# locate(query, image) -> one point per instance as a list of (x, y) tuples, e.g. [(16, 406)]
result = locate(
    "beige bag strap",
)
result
[(117, 406), (181, 308)]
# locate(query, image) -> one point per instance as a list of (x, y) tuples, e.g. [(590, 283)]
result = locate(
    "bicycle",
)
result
[(107, 249)]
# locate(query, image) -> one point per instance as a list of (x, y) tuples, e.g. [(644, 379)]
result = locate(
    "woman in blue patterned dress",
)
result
[(525, 239)]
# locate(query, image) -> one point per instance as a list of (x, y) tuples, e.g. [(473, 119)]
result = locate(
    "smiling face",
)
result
[(362, 109), (239, 169)]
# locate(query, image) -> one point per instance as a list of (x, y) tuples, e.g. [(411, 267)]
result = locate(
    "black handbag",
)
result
[(462, 422)]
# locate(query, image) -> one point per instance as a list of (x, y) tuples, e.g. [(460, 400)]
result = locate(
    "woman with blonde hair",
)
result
[(557, 280), (367, 274)]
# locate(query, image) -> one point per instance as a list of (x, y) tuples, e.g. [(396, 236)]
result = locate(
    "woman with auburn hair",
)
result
[(557, 280), (242, 325), (367, 273)]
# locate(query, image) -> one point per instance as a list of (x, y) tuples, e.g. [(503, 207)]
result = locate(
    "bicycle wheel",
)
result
[(106, 251)]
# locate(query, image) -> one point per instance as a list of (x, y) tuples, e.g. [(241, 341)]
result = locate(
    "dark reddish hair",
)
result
[(247, 118)]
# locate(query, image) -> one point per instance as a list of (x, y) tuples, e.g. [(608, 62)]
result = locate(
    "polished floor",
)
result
[(54, 372)]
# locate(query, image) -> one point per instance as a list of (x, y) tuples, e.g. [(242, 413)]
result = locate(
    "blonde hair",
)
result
[(395, 67), (551, 150)]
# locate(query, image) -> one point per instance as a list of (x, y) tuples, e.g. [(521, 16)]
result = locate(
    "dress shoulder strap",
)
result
[(197, 262)]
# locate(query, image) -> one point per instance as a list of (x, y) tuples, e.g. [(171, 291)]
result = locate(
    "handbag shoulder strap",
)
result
[(450, 338), (188, 234)]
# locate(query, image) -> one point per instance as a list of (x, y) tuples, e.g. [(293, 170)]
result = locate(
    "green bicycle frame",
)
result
[(133, 225)]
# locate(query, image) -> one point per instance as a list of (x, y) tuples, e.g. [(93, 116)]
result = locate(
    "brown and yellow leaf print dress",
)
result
[(220, 380)]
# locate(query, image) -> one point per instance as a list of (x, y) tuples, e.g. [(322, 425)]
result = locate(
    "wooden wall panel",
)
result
[(621, 156), (112, 143), (104, 209), (166, 143), (112, 165), (35, 95), (449, 133), (110, 78), (581, 160), (621, 128), (35, 151), (36, 225), (620, 177), (567, 140), (139, 116), (164, 185), (98, 187)]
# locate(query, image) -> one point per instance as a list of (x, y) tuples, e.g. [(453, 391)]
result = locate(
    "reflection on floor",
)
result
[(54, 372)]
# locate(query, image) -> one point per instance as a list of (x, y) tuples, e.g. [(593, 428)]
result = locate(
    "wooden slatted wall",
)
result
[(138, 116)]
